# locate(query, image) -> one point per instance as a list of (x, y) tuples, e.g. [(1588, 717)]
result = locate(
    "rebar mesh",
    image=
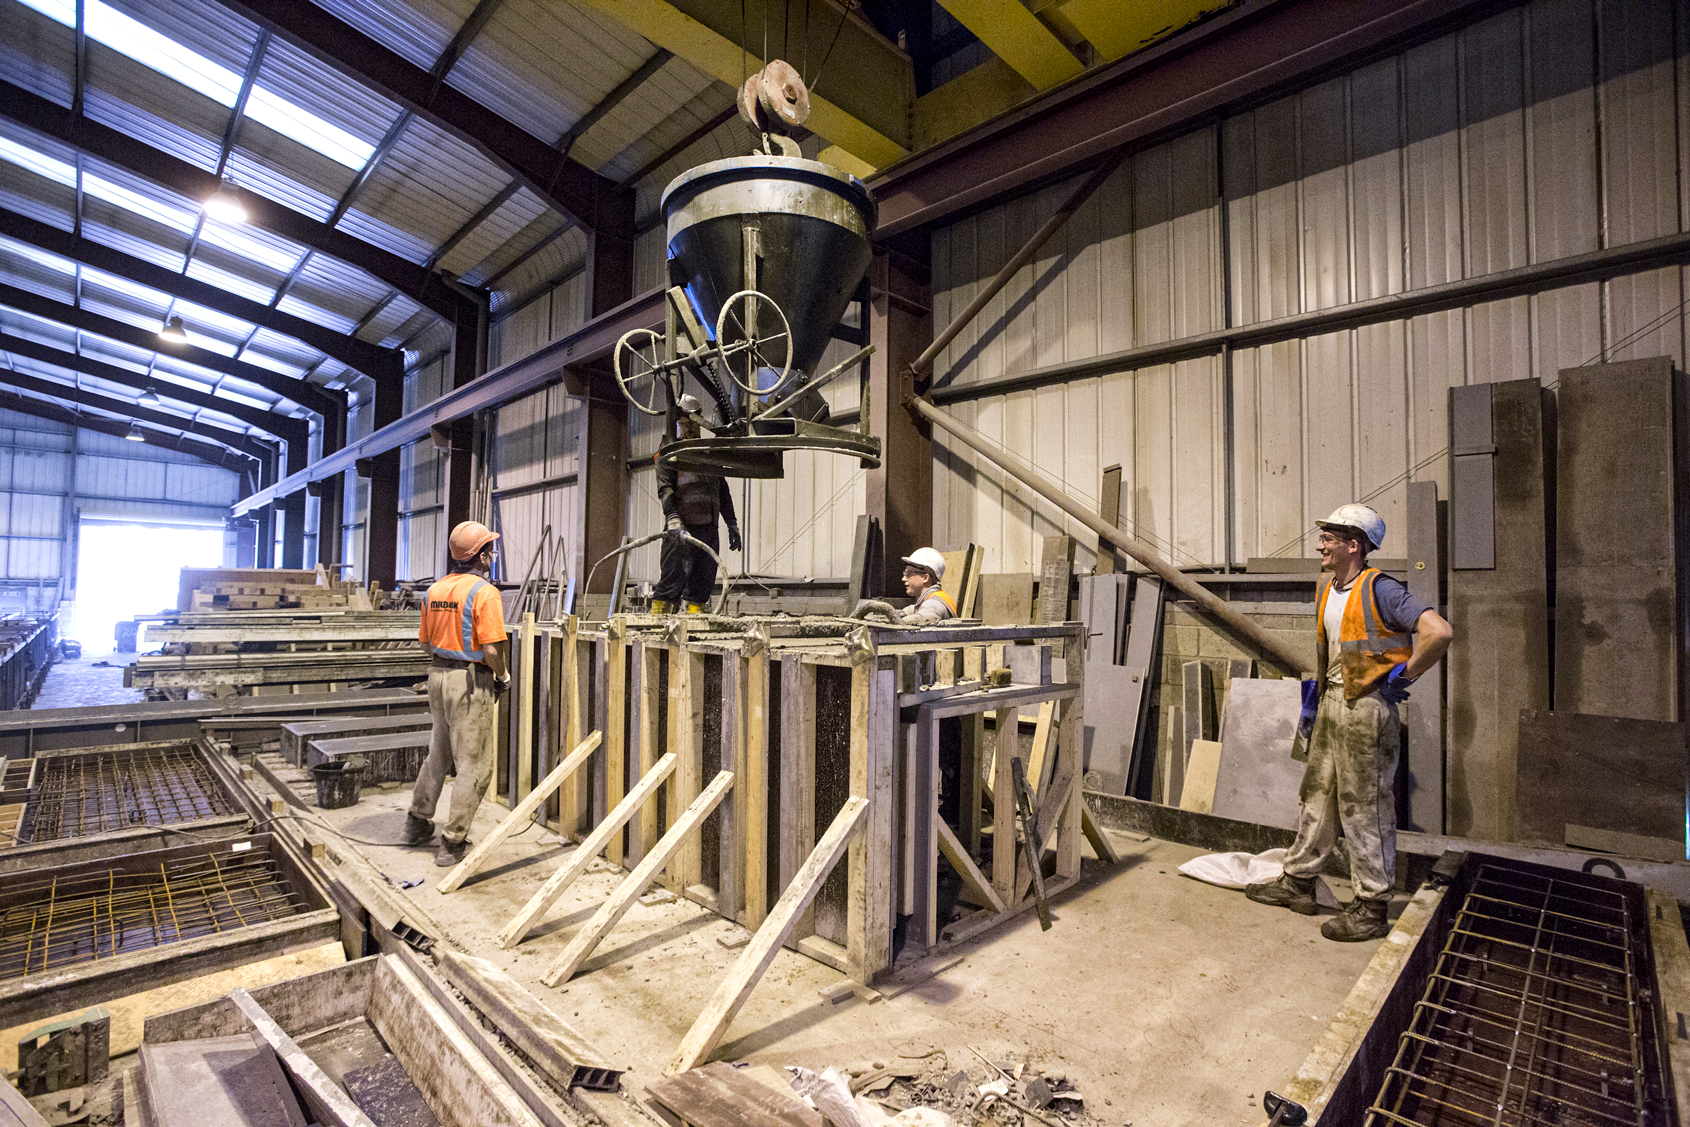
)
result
[(51, 922), (98, 792), (1532, 1014)]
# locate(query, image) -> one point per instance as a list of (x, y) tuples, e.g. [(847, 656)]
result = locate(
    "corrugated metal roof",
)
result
[(285, 351), (543, 226), (35, 329), (330, 284), (429, 186), (111, 226), (260, 163), (152, 107), (36, 53), (545, 63), (362, 225), (251, 281), (730, 139), (559, 257), (493, 232), (417, 29), (211, 30), (675, 88), (290, 73), (29, 269)]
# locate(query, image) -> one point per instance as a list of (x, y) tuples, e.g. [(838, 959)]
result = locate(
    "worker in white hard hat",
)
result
[(463, 626), (692, 502), (924, 570), (1385, 638)]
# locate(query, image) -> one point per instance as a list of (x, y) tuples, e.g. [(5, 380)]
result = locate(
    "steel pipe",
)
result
[(1023, 472)]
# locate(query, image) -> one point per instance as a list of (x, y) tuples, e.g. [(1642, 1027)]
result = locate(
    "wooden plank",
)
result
[(686, 740), (1199, 791), (643, 832), (325, 1100), (552, 709), (571, 799), (731, 995), (518, 817), (730, 818), (524, 718), (1071, 755), (797, 828), (1003, 806), (683, 830), (1109, 508), (1056, 573), (874, 741), (719, 1095), (1097, 835), (1672, 989), (972, 878), (616, 739), (755, 821), (1053, 812), (1040, 751), (558, 883)]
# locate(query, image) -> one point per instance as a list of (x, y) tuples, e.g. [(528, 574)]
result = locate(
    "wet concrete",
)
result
[(1169, 1002)]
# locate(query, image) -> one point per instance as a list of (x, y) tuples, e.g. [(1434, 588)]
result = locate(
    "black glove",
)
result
[(673, 528), (500, 684), (734, 542)]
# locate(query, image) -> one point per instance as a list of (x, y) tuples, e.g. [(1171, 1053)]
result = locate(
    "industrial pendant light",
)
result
[(150, 396), (175, 331), (225, 204), (135, 434)]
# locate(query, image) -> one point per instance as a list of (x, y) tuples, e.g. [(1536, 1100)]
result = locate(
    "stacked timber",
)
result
[(220, 589), (245, 652)]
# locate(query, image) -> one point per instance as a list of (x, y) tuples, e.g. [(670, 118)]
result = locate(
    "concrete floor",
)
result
[(1169, 1002), (82, 684)]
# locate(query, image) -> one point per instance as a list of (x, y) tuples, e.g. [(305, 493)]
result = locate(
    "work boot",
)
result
[(417, 830), (1360, 919), (695, 608), (660, 606), (450, 852), (1295, 893)]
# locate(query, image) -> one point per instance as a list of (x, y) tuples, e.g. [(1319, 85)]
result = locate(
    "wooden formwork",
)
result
[(801, 777), (803, 714)]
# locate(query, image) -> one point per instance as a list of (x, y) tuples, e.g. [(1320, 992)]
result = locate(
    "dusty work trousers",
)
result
[(684, 569), (1350, 780), (462, 705)]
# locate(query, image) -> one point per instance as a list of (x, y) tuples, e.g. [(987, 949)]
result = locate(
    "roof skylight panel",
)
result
[(154, 49)]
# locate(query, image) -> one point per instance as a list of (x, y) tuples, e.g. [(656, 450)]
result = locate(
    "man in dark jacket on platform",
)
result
[(692, 502)]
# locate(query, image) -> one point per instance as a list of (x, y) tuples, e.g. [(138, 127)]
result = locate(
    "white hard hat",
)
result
[(1359, 517), (928, 558)]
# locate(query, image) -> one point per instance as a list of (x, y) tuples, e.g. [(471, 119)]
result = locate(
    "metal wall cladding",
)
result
[(560, 257), (732, 138), (536, 438), (544, 63), (651, 259), (427, 383), (1487, 149), (555, 313), (37, 53), (520, 520)]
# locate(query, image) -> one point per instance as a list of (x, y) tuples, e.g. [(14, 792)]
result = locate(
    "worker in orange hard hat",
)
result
[(463, 625)]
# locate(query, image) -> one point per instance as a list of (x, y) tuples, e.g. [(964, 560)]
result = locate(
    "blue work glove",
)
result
[(1397, 682), (1311, 701), (734, 542)]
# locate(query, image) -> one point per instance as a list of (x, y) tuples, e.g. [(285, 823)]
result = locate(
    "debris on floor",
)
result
[(900, 1089)]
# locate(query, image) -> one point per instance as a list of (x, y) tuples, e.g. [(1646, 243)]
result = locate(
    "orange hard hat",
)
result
[(469, 538)]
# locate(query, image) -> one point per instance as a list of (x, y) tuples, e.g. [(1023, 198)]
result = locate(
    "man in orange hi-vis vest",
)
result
[(1372, 639), (463, 625)]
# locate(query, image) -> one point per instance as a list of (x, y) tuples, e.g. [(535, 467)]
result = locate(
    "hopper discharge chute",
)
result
[(765, 254)]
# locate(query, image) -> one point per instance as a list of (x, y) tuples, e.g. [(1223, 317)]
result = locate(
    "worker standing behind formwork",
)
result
[(924, 570), (463, 625), (691, 502)]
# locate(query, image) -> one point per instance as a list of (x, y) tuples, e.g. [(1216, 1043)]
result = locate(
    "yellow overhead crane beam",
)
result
[(868, 85), (1016, 36), (1116, 27)]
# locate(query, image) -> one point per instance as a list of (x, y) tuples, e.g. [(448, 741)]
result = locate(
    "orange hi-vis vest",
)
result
[(943, 596), (448, 617), (1367, 650)]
